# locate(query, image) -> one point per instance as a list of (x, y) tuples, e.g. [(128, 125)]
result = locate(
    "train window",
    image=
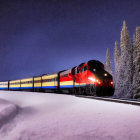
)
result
[(95, 65), (85, 68), (65, 75), (78, 70)]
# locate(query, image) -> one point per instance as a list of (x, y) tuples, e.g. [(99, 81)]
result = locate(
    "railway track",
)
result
[(113, 99)]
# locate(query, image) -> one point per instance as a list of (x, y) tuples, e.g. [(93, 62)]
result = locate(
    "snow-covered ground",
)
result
[(7, 111), (47, 116)]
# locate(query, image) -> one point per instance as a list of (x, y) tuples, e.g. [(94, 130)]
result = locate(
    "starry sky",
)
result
[(46, 36)]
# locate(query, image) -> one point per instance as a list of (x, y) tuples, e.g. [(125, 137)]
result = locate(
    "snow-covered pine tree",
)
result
[(134, 54), (136, 65), (124, 76), (116, 62), (108, 63)]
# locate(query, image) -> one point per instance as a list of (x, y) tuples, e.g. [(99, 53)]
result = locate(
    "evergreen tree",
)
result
[(136, 65), (116, 62), (108, 63), (134, 53), (124, 75)]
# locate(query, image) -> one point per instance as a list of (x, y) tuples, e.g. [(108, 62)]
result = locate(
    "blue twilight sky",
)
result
[(46, 36)]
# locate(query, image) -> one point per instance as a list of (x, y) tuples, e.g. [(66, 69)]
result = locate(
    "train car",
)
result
[(50, 82), (27, 84), (37, 83), (92, 79), (4, 85), (14, 85), (81, 84), (66, 81)]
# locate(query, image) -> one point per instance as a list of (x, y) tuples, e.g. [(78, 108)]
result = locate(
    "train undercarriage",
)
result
[(89, 90)]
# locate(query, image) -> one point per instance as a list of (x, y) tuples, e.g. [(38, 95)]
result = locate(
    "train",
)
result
[(88, 78)]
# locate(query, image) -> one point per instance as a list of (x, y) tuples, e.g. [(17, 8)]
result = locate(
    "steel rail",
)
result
[(112, 99)]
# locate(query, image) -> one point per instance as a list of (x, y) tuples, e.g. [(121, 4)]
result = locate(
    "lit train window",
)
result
[(56, 79)]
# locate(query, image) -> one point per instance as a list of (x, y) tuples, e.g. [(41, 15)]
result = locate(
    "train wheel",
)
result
[(76, 91), (87, 90), (82, 91), (92, 91)]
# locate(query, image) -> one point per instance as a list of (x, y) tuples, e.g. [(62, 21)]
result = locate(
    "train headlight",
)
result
[(111, 83), (105, 74), (92, 79)]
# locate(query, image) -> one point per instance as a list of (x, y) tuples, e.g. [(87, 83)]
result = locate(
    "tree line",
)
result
[(126, 76)]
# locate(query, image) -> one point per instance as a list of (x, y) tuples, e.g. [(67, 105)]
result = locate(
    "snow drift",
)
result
[(48, 116), (7, 111)]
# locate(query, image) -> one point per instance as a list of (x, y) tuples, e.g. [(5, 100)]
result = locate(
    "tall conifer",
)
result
[(116, 62), (124, 76), (108, 63), (136, 65)]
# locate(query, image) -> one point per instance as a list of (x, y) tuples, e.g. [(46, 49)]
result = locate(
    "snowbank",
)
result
[(7, 111), (48, 116)]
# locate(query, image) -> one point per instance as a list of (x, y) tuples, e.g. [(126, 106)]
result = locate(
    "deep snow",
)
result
[(47, 116), (7, 111)]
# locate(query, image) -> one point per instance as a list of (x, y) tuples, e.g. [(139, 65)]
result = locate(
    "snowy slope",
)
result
[(46, 116), (7, 111)]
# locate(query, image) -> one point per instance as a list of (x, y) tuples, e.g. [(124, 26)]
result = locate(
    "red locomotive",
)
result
[(88, 78)]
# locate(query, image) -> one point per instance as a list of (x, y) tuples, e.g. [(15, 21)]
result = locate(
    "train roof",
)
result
[(66, 72), (94, 61)]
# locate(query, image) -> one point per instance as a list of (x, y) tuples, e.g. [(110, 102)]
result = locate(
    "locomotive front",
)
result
[(100, 78)]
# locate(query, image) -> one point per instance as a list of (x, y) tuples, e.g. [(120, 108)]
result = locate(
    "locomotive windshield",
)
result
[(95, 65)]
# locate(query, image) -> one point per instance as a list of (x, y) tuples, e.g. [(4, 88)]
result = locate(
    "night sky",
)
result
[(46, 36)]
